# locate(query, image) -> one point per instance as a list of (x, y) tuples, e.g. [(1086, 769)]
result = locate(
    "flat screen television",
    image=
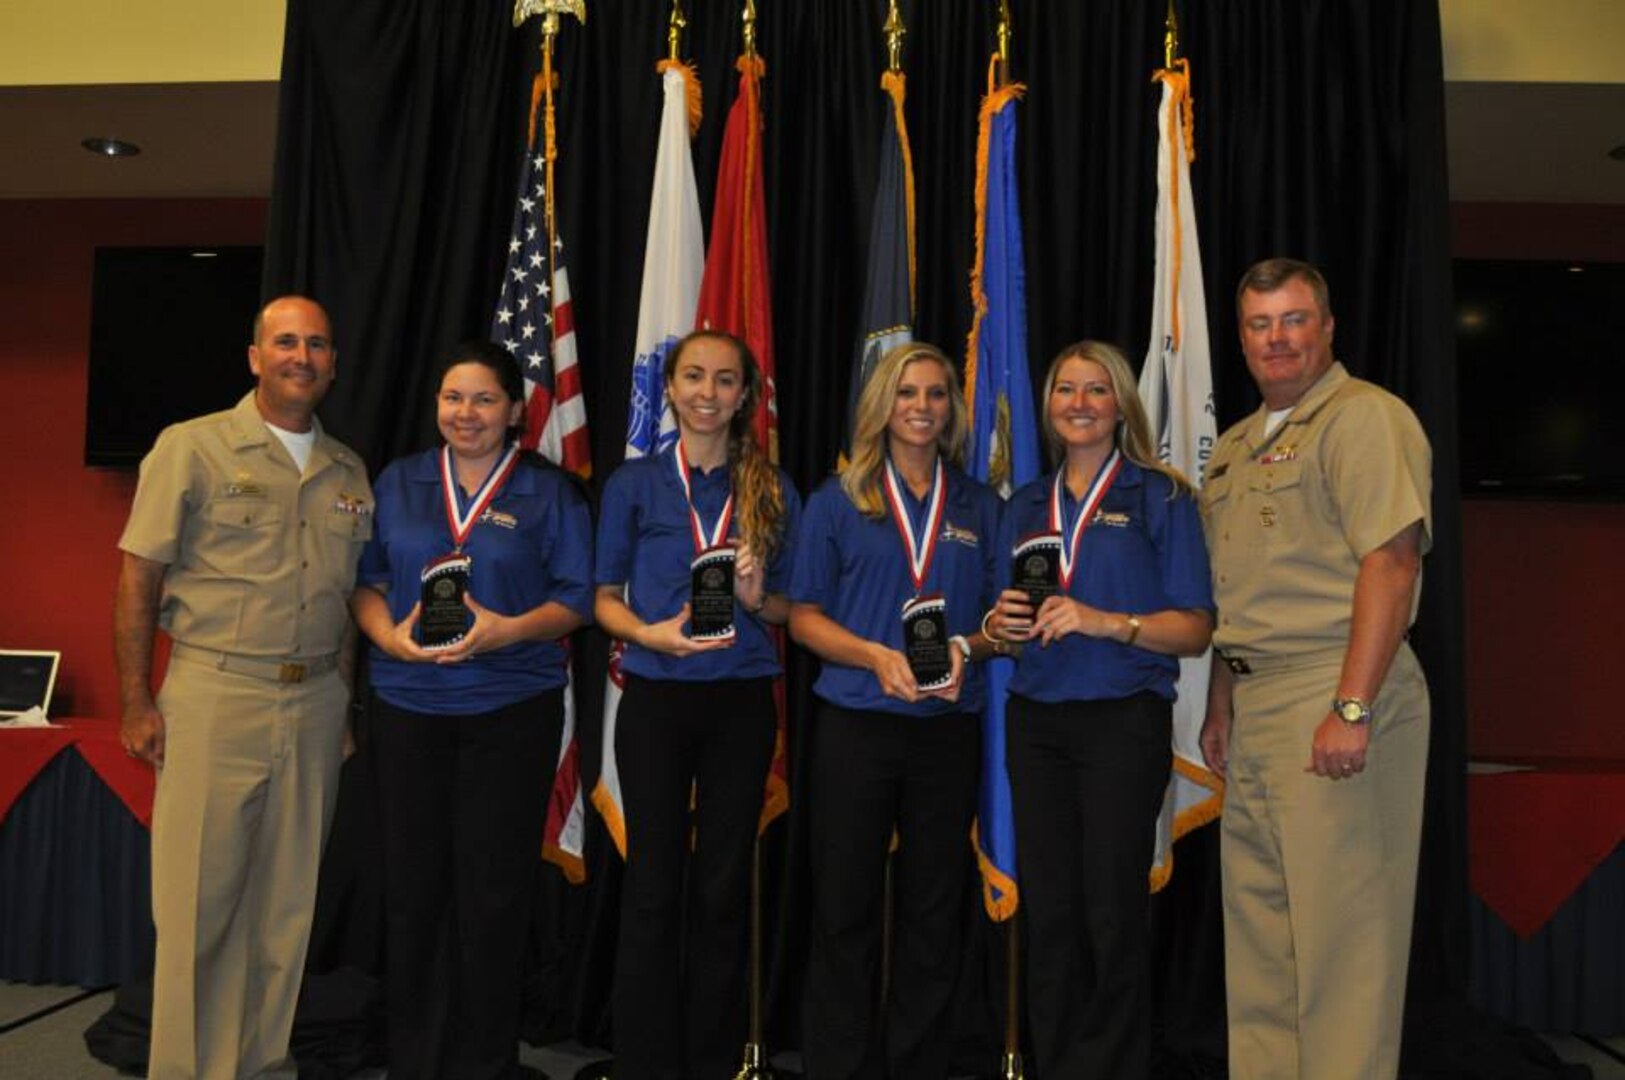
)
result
[(1538, 344), (169, 332)]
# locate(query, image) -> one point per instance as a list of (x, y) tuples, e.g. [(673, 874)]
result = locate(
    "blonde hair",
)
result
[(860, 479), (1133, 434), (758, 499)]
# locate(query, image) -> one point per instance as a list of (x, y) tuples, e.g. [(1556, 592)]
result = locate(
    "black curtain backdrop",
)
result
[(1319, 132)]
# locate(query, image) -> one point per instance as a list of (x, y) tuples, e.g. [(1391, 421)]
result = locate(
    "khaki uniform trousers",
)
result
[(1319, 877), (242, 809)]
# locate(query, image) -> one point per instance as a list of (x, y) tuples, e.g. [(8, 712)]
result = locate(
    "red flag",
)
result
[(736, 296)]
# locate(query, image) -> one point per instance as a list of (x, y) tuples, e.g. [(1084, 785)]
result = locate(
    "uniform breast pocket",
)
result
[(1278, 492), (247, 535)]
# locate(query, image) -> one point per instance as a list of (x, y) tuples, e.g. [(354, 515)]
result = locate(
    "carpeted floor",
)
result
[(42, 1038)]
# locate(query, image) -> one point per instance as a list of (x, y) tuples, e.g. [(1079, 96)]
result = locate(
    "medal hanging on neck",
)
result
[(444, 618), (1086, 513), (711, 574), (925, 617)]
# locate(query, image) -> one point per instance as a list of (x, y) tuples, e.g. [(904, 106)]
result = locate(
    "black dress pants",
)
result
[(679, 1000), (463, 804), (872, 772), (1086, 783)]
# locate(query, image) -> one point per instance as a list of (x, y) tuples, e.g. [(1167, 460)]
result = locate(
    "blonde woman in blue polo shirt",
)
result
[(900, 524), (1090, 709), (697, 711), (465, 732)]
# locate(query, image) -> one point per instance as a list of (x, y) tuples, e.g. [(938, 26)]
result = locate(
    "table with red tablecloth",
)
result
[(75, 876), (1548, 880)]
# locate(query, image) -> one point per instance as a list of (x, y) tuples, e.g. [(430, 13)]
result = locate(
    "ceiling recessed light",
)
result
[(108, 147)]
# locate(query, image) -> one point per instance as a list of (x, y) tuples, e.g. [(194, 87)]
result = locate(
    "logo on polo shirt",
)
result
[(957, 535), (499, 519), (1113, 519)]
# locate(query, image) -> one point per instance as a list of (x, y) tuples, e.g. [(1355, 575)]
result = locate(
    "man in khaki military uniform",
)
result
[(242, 543), (1316, 510)]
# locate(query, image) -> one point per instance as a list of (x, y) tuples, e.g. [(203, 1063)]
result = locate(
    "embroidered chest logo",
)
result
[(1112, 519), (499, 519), (954, 534)]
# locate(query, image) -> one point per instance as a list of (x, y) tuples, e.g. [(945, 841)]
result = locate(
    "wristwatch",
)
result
[(1351, 710)]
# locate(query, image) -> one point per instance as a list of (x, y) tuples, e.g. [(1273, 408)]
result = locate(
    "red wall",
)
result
[(1543, 580), (58, 540)]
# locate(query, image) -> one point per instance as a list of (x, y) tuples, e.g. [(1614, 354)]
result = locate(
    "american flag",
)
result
[(535, 321)]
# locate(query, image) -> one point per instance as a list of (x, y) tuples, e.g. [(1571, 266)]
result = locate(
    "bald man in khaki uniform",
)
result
[(242, 543), (1316, 510)]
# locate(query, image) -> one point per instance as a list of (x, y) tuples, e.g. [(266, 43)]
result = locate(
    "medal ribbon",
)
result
[(920, 551), (462, 524), (703, 540), (1086, 512)]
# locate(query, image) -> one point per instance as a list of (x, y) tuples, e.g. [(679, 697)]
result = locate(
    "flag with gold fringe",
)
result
[(736, 296), (535, 321), (1004, 448), (673, 262), (887, 317), (1176, 385)]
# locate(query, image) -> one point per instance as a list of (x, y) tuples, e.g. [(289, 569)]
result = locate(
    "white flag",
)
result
[(673, 263), (1176, 385)]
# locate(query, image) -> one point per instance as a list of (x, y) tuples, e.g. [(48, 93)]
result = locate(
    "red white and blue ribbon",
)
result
[(462, 523), (703, 540), (921, 550), (1086, 513)]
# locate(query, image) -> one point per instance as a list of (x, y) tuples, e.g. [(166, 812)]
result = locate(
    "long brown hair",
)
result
[(758, 499), (860, 479)]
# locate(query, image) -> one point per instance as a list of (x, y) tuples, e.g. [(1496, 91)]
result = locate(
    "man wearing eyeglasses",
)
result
[(1316, 510)]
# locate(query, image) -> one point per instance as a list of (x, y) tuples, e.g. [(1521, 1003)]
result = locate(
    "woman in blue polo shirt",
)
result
[(900, 523), (696, 717), (1090, 712), (465, 733)]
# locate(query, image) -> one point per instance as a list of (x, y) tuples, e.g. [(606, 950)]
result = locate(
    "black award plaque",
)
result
[(1035, 567), (925, 641), (711, 594), (443, 618)]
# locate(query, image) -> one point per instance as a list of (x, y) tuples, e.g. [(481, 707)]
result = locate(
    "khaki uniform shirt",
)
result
[(1289, 516), (261, 560)]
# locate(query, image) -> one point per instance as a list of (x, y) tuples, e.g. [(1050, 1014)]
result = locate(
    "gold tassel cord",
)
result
[(1181, 139)]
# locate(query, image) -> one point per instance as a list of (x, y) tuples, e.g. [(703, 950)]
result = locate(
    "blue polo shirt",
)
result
[(532, 545), (646, 542), (1142, 553), (856, 569)]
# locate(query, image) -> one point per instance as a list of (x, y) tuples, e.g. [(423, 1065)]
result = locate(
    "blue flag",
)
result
[(1004, 445)]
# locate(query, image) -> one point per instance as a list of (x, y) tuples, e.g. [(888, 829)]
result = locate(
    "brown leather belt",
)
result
[(277, 671)]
